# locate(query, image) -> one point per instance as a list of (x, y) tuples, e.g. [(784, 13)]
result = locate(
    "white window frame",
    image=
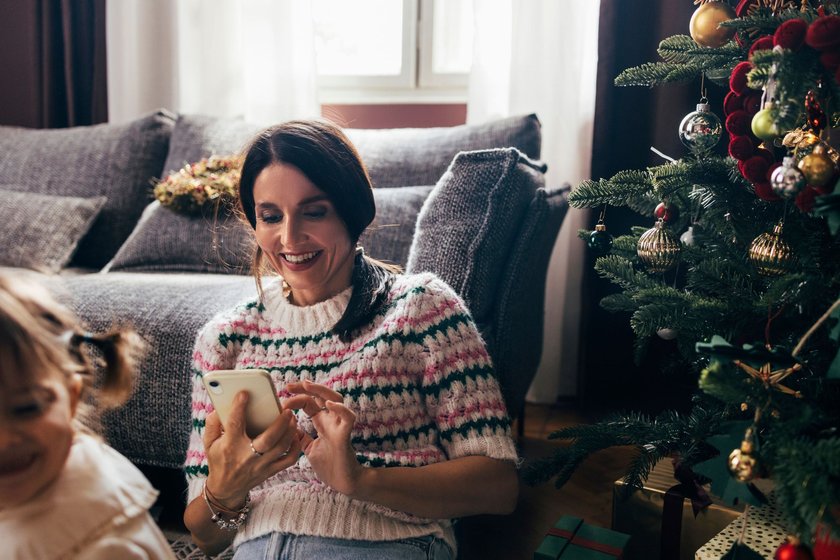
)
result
[(415, 84)]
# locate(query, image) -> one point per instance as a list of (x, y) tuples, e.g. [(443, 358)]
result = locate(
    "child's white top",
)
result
[(97, 509)]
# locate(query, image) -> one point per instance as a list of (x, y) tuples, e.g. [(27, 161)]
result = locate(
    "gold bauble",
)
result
[(658, 249), (817, 166), (704, 23), (770, 254), (743, 463)]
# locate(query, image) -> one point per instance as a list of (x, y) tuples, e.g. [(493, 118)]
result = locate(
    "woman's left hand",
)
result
[(331, 455)]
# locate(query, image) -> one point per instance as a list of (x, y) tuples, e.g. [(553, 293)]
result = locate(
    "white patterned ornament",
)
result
[(787, 181)]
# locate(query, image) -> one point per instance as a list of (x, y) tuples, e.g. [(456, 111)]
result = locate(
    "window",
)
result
[(393, 51)]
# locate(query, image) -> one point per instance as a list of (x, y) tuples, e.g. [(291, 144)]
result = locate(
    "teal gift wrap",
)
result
[(572, 539)]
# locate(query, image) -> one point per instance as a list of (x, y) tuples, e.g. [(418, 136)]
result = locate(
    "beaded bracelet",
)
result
[(227, 524)]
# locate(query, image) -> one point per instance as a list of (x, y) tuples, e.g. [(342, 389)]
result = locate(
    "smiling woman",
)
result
[(393, 420)]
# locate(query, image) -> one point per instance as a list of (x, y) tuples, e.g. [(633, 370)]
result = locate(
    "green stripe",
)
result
[(400, 435), (194, 471), (198, 425), (475, 372), (380, 462)]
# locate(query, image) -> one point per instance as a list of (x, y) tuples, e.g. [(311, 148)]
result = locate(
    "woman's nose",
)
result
[(293, 231)]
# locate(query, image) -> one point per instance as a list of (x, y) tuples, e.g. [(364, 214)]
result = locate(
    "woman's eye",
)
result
[(316, 213), (27, 410), (270, 218)]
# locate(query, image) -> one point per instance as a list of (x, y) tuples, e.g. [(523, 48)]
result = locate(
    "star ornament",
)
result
[(772, 378)]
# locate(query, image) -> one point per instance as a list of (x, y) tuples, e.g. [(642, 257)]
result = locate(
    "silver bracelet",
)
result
[(227, 524)]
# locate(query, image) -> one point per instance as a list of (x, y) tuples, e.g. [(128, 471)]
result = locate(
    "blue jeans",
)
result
[(279, 546)]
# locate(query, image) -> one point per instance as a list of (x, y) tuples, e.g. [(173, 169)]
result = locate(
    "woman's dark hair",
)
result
[(323, 153)]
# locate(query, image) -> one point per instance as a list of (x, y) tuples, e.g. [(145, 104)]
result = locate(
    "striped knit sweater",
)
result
[(418, 378)]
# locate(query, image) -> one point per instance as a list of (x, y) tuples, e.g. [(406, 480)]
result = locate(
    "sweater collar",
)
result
[(303, 320)]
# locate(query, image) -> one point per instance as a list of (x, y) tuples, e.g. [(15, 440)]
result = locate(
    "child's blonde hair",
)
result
[(38, 334)]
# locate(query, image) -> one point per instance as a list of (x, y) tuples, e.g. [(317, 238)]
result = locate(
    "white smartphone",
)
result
[(262, 408)]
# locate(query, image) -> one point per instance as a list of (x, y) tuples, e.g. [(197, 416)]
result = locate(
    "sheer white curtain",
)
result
[(541, 57), (248, 58)]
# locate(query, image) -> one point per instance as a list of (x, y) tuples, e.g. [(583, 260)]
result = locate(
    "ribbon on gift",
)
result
[(575, 539), (688, 487)]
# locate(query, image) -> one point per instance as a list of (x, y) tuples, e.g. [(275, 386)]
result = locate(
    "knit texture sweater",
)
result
[(418, 378)]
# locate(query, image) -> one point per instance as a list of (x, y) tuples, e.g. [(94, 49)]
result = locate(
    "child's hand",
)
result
[(331, 455), (238, 463)]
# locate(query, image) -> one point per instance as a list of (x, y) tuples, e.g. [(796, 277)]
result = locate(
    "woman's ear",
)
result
[(74, 387)]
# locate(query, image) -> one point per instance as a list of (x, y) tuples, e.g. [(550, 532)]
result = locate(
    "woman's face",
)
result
[(301, 234), (35, 431)]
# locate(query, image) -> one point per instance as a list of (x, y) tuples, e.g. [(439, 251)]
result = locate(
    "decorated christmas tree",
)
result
[(737, 259)]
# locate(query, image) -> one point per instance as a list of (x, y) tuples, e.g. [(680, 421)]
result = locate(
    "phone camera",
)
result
[(214, 383)]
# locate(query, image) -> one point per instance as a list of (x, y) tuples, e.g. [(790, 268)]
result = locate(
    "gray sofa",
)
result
[(466, 202)]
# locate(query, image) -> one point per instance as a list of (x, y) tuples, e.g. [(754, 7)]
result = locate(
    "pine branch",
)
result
[(619, 270), (615, 191)]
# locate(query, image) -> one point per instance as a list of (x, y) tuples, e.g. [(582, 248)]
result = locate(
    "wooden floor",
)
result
[(587, 495)]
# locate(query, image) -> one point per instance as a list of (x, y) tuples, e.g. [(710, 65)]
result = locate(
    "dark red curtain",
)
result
[(628, 121), (52, 56)]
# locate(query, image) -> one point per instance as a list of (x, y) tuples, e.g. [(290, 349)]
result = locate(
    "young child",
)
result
[(63, 492)]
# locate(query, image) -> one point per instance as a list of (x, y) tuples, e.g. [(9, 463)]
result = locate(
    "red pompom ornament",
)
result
[(824, 33), (741, 147), (763, 43), (752, 103), (755, 169), (791, 34), (738, 123), (732, 102), (738, 78), (764, 191), (830, 60)]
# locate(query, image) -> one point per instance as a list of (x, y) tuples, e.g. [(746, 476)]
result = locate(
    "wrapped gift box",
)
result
[(764, 533), (640, 514), (572, 539)]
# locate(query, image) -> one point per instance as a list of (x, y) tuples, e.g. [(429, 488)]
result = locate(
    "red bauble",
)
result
[(755, 169), (824, 33), (763, 43), (666, 212), (789, 551), (741, 147), (764, 191), (738, 78), (732, 102), (738, 123), (791, 34), (752, 103)]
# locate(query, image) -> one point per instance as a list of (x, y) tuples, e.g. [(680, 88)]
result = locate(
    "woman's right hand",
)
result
[(232, 457)]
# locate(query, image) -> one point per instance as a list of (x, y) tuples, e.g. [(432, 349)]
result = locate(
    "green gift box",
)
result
[(572, 539)]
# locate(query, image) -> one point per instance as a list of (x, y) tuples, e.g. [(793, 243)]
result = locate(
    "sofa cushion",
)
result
[(166, 241), (398, 157), (117, 161), (390, 235), (468, 225), (41, 231), (395, 157)]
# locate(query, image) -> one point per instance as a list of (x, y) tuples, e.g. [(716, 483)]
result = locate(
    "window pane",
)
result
[(452, 36), (358, 38)]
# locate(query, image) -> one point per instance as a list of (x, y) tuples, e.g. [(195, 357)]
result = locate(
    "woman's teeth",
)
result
[(297, 259)]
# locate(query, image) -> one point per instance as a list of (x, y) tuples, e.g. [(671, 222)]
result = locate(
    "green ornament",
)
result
[(764, 124), (599, 240)]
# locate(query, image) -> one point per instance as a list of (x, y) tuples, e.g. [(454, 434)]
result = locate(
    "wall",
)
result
[(396, 115)]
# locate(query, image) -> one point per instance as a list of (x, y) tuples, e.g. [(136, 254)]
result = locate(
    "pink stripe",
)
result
[(440, 310), (425, 456), (485, 410), (251, 327), (198, 456), (450, 362), (203, 364), (198, 406), (410, 421)]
